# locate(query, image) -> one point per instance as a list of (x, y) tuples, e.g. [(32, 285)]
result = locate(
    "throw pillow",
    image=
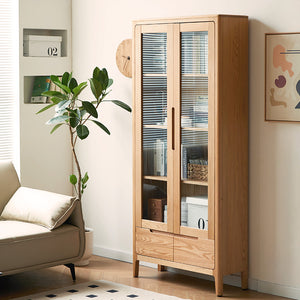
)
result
[(39, 207)]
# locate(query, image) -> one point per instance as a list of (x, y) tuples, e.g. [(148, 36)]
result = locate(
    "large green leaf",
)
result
[(62, 105), (45, 108), (110, 82), (56, 127), (96, 73), (54, 94), (65, 78), (63, 87), (54, 79), (85, 178), (96, 87), (82, 131), (103, 127), (74, 121), (73, 84), (56, 100), (57, 119), (73, 179), (78, 89), (121, 104), (105, 78), (90, 108)]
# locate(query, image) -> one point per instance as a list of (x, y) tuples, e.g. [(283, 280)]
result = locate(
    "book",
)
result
[(160, 158), (184, 166), (41, 84)]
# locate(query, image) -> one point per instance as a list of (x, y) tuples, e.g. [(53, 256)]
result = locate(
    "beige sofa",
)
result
[(27, 245)]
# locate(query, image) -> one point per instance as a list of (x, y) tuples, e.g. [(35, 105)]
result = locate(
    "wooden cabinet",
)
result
[(191, 145)]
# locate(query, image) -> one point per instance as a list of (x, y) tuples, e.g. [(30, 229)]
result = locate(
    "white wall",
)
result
[(98, 28), (45, 160)]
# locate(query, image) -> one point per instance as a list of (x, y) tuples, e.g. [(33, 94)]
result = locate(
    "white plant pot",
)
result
[(84, 261)]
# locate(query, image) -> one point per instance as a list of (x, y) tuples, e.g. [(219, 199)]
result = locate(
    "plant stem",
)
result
[(77, 163)]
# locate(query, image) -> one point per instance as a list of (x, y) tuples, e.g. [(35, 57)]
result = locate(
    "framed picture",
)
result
[(282, 77)]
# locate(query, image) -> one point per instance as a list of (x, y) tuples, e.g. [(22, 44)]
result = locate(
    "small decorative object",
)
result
[(156, 209), (124, 57), (198, 172), (282, 78)]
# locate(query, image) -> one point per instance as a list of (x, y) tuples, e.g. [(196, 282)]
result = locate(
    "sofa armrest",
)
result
[(9, 182)]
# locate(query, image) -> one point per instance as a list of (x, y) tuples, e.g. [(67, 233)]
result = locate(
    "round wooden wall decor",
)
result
[(124, 57)]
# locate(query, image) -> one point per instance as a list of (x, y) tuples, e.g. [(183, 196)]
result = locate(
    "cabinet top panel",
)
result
[(206, 18)]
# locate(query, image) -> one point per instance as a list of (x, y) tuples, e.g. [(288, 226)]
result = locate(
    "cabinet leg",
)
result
[(136, 264), (219, 285), (161, 268), (244, 279)]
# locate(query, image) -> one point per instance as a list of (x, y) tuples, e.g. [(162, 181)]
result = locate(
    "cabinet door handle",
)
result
[(173, 133)]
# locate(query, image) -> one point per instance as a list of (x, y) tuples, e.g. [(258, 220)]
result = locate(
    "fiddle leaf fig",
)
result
[(74, 112)]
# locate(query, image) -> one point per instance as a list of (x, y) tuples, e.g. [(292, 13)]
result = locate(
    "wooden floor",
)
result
[(103, 268)]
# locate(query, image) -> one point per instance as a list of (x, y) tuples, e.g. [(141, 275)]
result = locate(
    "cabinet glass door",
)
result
[(154, 126), (195, 129)]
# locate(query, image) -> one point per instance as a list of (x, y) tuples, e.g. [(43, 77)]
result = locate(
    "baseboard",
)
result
[(234, 280), (112, 253)]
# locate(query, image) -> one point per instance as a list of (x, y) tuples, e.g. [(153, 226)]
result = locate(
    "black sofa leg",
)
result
[(72, 269)]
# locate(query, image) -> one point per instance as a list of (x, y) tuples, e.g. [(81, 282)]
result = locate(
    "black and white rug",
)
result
[(100, 289)]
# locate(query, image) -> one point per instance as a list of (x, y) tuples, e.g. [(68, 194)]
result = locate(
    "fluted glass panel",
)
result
[(194, 129), (154, 135), (154, 53), (194, 52)]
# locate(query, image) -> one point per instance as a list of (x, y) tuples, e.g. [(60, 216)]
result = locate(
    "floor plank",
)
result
[(107, 269)]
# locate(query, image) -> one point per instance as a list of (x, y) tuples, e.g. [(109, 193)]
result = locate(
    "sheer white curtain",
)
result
[(9, 79)]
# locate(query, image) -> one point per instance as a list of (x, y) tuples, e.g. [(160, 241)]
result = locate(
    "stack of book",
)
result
[(42, 84)]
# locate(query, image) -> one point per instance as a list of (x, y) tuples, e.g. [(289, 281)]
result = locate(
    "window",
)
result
[(9, 79)]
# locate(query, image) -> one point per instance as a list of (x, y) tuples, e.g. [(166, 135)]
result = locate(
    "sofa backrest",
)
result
[(9, 182)]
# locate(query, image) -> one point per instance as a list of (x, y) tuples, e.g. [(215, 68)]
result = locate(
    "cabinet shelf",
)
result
[(158, 178), (155, 75), (156, 126), (195, 182), (38, 66), (194, 75), (195, 128)]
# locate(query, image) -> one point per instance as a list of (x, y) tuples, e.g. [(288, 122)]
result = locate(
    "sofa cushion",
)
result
[(25, 245), (39, 207)]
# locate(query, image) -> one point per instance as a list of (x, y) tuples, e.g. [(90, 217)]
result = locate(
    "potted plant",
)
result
[(77, 114)]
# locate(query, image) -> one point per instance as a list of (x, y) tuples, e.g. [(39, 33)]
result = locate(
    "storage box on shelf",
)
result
[(42, 45), (197, 212)]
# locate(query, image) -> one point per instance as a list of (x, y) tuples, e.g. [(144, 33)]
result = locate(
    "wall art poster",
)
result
[(282, 78)]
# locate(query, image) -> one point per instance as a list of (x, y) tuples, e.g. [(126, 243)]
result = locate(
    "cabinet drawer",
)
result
[(154, 243), (194, 251)]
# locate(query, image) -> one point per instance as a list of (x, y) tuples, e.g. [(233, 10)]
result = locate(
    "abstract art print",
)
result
[(282, 77)]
